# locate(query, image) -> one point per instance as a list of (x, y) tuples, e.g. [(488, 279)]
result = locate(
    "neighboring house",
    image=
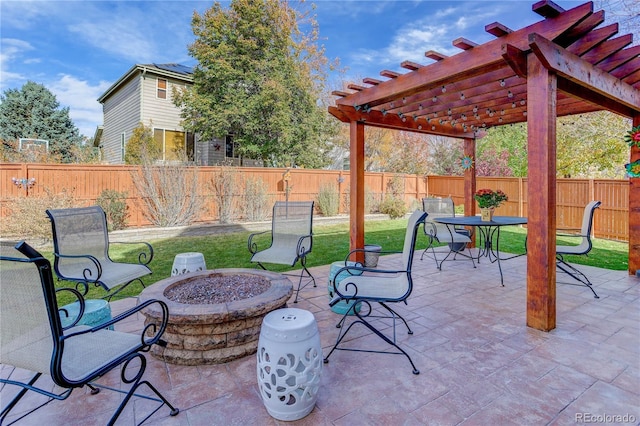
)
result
[(144, 95)]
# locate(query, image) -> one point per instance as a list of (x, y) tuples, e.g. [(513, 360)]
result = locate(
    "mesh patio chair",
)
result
[(376, 286), (291, 239), (81, 249), (455, 238), (582, 247), (74, 356)]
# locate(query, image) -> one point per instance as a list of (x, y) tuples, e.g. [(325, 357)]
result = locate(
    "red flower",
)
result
[(488, 198)]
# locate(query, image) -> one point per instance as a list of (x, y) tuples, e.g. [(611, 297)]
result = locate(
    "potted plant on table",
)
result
[(488, 200)]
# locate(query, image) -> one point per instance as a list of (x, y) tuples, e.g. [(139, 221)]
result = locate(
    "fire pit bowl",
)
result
[(201, 331)]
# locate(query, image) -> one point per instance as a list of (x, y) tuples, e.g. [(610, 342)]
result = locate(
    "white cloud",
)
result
[(11, 50), (119, 37), (81, 98)]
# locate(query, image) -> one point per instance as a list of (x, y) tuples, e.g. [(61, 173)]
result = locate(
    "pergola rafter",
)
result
[(562, 65)]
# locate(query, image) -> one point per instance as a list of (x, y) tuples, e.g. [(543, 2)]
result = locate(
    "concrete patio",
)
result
[(479, 363)]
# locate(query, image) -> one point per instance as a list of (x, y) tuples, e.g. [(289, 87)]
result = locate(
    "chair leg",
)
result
[(25, 388), (430, 246), (109, 296), (136, 382), (361, 318), (304, 271), (575, 274)]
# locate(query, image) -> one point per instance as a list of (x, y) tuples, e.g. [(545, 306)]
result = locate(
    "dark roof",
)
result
[(177, 68), (176, 71)]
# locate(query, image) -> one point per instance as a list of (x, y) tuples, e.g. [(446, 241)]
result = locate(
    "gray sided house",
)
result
[(144, 95)]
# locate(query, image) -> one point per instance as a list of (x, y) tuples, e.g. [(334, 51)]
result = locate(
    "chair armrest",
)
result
[(145, 256), (360, 269), (303, 249), (93, 268), (149, 335), (470, 229), (78, 296), (430, 230), (251, 245)]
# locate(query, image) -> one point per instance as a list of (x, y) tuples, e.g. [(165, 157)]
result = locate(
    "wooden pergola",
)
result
[(561, 65)]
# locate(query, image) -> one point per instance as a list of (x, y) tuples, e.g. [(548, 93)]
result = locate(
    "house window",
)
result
[(162, 88), (122, 144), (175, 144)]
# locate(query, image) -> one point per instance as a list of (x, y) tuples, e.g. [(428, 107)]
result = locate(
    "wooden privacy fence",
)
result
[(87, 181)]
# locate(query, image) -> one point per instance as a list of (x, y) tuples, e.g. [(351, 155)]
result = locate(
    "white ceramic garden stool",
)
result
[(289, 363), (184, 263)]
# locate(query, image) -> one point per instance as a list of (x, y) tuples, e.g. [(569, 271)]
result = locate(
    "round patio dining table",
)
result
[(489, 231)]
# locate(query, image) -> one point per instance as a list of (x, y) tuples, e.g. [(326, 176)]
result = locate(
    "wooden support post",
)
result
[(541, 244), (356, 209), (634, 211)]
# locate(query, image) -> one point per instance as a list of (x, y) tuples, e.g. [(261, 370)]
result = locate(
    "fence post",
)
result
[(520, 197)]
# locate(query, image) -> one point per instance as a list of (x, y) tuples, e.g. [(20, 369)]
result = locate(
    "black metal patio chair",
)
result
[(81, 249), (582, 247), (74, 356), (291, 239), (376, 286), (456, 238)]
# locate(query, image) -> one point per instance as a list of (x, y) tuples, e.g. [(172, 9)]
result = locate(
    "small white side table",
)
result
[(184, 263), (289, 363)]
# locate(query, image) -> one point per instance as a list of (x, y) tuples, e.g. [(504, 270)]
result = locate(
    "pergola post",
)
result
[(356, 205), (634, 211), (541, 243)]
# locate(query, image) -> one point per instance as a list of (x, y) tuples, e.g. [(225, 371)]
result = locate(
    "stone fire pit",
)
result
[(202, 332)]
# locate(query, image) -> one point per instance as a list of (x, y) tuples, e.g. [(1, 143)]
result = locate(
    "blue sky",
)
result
[(77, 49)]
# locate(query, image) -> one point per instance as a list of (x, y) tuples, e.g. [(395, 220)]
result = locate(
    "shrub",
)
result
[(169, 193), (394, 207), (393, 203), (328, 200), (114, 205), (27, 218), (371, 202), (257, 200), (225, 187)]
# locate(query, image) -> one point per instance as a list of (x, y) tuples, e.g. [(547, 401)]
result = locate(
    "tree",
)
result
[(444, 156), (34, 112), (592, 145), (141, 147), (410, 154), (510, 142), (260, 79)]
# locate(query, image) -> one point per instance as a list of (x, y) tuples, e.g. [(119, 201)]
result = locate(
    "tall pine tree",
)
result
[(33, 112)]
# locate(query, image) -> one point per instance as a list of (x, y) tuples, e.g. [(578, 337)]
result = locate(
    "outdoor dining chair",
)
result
[(291, 239), (363, 288), (81, 249), (583, 245), (456, 239), (33, 339)]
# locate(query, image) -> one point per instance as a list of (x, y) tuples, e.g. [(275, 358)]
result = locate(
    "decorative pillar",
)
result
[(634, 210), (541, 142), (356, 208)]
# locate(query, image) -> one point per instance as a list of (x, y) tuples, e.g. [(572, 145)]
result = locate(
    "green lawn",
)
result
[(330, 243)]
